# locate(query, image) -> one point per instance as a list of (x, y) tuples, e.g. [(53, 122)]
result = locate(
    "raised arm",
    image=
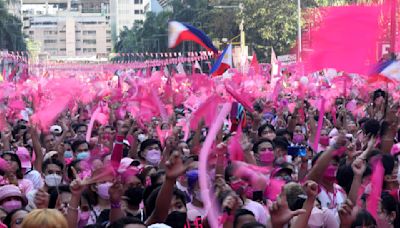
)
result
[(37, 149), (358, 167), (323, 161), (174, 169), (311, 189)]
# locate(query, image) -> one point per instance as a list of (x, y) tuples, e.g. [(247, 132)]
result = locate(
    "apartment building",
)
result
[(67, 30)]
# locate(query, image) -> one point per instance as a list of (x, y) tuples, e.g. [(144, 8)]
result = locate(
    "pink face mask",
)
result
[(238, 186), (330, 173), (267, 156), (298, 138), (324, 140)]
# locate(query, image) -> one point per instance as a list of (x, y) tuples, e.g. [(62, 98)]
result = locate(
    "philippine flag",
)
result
[(387, 71), (179, 32), (223, 63)]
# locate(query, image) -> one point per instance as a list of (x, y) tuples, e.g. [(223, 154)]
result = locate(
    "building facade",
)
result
[(70, 30)]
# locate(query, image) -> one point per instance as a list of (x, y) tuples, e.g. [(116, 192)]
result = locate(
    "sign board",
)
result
[(287, 59)]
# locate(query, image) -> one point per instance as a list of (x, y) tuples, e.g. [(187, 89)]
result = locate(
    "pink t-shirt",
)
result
[(25, 186)]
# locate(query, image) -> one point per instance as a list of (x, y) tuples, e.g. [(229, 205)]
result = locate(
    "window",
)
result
[(137, 11), (108, 49), (50, 32), (89, 50), (138, 1), (30, 32), (108, 31), (89, 41), (50, 41), (62, 31), (89, 32), (77, 49), (63, 49), (62, 40), (108, 40)]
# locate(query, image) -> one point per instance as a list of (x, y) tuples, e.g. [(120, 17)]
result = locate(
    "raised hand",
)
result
[(347, 214), (42, 199), (175, 166), (77, 186), (358, 167), (281, 213), (116, 191), (311, 189)]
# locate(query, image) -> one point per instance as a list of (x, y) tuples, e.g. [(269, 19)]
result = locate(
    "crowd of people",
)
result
[(267, 168)]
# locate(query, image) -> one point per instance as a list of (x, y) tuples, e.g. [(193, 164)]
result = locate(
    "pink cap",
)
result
[(10, 190), (24, 157)]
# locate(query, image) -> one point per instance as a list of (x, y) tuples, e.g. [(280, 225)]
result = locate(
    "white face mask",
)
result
[(52, 180)]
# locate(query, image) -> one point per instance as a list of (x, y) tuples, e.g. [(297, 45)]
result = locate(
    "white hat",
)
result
[(159, 225), (56, 129), (49, 155)]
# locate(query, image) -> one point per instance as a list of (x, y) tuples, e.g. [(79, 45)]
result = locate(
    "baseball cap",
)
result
[(24, 157), (10, 190)]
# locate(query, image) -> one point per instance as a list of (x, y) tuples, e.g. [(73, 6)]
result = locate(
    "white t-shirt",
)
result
[(193, 212), (257, 209), (332, 200)]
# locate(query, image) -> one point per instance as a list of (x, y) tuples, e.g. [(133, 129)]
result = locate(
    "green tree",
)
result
[(11, 36)]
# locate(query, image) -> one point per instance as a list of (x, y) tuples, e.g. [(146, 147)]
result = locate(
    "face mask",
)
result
[(332, 141), (298, 138), (102, 190), (267, 156), (84, 216), (107, 137), (68, 154), (135, 195), (153, 157), (186, 152), (330, 173), (176, 219), (83, 155), (324, 140), (52, 180), (238, 186), (12, 205), (148, 181), (248, 191)]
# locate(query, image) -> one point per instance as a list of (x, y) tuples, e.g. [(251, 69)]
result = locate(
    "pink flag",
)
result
[(376, 189)]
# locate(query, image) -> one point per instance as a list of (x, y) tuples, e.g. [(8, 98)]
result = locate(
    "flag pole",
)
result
[(299, 30)]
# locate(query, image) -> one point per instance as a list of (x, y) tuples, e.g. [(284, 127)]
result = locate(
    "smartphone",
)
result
[(295, 151)]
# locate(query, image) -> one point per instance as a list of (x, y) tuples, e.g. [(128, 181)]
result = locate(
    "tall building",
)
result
[(152, 6), (163, 3), (69, 29), (14, 7), (124, 13)]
